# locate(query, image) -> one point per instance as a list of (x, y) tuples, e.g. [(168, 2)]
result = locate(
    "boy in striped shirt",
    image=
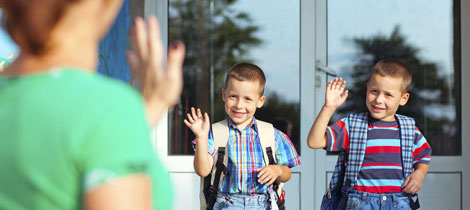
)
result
[(247, 185), (380, 183)]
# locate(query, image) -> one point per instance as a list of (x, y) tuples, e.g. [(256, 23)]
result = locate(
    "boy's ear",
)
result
[(223, 94), (404, 99), (261, 101)]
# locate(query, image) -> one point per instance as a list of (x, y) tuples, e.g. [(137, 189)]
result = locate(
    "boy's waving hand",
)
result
[(200, 126), (335, 94), (198, 123)]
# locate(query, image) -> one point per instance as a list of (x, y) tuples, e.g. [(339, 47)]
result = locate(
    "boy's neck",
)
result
[(242, 126)]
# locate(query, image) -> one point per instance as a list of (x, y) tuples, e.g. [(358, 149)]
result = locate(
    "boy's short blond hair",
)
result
[(246, 72), (395, 69)]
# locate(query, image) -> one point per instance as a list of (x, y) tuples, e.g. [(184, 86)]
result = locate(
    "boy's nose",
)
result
[(379, 99), (239, 103)]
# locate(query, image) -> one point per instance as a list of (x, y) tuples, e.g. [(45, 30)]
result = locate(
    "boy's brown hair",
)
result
[(395, 69), (246, 72)]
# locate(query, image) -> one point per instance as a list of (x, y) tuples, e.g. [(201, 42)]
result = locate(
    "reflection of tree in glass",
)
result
[(284, 115), (429, 95), (215, 40)]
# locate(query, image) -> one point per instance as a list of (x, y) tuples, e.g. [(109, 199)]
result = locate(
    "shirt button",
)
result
[(384, 198)]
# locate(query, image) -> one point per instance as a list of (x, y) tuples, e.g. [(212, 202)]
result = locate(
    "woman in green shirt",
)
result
[(70, 138)]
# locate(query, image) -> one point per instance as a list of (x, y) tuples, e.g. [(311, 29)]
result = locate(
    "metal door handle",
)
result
[(326, 69), (322, 68)]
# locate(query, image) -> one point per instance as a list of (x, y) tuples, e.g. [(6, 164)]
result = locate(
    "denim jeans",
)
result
[(241, 202), (373, 201)]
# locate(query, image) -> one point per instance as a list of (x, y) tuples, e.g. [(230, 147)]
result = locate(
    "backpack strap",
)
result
[(407, 135), (266, 139), (357, 146), (210, 184), (268, 145)]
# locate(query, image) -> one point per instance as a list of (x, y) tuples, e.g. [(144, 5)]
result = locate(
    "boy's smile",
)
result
[(384, 96), (242, 98)]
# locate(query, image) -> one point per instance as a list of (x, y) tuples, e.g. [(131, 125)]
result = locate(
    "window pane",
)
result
[(219, 34), (425, 34), (8, 49)]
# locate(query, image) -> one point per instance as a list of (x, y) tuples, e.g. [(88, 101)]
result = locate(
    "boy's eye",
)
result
[(248, 99)]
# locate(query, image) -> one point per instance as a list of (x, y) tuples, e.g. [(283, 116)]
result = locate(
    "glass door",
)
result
[(274, 35), (427, 36)]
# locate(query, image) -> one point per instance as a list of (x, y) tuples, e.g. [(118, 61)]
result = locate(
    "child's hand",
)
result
[(335, 94), (413, 182), (268, 174), (198, 124)]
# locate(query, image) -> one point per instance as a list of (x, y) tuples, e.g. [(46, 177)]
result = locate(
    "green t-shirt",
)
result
[(65, 132)]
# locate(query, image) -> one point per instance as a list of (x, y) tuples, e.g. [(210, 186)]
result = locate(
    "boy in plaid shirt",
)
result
[(381, 181), (247, 185)]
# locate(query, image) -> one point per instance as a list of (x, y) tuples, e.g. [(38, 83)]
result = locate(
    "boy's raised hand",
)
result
[(198, 123), (335, 94)]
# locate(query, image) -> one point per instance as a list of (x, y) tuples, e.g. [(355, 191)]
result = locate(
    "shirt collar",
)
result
[(252, 124)]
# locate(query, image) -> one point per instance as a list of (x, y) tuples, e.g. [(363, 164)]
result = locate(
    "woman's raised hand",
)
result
[(160, 85)]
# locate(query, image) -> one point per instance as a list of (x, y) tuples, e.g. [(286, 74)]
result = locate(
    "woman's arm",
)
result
[(130, 192)]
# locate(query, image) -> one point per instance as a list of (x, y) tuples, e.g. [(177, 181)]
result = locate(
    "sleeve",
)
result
[(210, 144), (115, 142), (286, 153), (421, 149), (338, 136)]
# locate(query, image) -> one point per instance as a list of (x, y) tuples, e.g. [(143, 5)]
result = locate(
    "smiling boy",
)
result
[(390, 156), (247, 185)]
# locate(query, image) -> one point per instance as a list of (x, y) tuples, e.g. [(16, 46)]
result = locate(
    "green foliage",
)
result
[(216, 37)]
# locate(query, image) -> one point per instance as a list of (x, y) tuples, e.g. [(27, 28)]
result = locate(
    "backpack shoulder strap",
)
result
[(268, 145), (266, 139), (407, 134), (220, 131), (358, 124)]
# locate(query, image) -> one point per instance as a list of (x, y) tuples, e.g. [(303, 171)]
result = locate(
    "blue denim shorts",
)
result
[(237, 201), (374, 201)]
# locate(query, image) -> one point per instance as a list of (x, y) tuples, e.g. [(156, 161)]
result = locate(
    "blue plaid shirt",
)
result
[(246, 156)]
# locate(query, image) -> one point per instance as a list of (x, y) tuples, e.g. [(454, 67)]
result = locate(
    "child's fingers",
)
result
[(343, 85), (338, 83), (190, 119), (328, 86), (346, 92), (271, 181), (407, 181), (263, 179), (206, 118), (199, 114), (186, 122), (193, 113), (260, 171)]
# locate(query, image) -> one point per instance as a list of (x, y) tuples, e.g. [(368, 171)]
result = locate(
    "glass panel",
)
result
[(425, 34), (114, 45), (8, 49), (219, 34)]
